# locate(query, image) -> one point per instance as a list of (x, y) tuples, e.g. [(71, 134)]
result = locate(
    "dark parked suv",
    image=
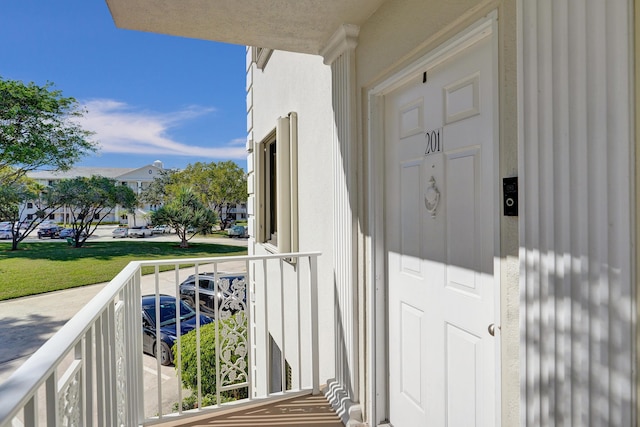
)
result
[(230, 294), (51, 231)]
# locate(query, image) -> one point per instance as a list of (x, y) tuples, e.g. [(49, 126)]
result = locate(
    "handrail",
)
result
[(30, 376), (220, 260), (19, 391)]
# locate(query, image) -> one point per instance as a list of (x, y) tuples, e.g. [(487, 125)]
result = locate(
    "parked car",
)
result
[(139, 231), (70, 232), (237, 231), (51, 231), (168, 331), (5, 230), (8, 226), (47, 223), (230, 294), (161, 229), (120, 232), (66, 232)]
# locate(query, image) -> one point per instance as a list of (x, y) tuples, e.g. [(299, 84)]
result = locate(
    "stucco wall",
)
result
[(287, 84)]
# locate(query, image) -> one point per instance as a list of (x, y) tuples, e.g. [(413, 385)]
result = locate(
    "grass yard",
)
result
[(50, 266)]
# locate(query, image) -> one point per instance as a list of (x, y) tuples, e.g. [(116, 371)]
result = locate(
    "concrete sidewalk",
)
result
[(26, 323)]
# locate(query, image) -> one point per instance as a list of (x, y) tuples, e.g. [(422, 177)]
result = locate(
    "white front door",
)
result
[(440, 213)]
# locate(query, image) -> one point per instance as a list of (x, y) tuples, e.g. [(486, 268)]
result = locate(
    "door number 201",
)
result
[(433, 141)]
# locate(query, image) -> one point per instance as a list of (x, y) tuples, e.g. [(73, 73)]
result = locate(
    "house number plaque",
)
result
[(434, 142)]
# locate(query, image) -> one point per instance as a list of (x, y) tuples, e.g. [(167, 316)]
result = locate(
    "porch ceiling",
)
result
[(293, 25)]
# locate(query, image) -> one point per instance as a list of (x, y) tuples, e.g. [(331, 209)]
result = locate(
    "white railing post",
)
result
[(31, 413), (178, 361), (315, 357), (137, 349), (133, 352), (52, 400), (111, 337), (265, 290), (99, 364), (250, 332), (158, 341), (198, 359), (216, 311), (283, 360), (299, 319), (87, 374)]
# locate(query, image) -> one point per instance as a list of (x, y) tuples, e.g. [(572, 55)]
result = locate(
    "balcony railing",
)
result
[(93, 371)]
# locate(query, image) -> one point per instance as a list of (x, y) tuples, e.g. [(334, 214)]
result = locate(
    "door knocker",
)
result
[(432, 197)]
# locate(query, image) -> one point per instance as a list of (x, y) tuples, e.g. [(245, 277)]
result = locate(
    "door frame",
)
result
[(377, 369)]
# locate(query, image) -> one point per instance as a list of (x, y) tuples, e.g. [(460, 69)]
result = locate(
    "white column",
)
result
[(340, 54), (576, 169)]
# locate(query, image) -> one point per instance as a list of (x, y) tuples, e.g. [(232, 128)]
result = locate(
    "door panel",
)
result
[(411, 353), (439, 209), (463, 356), (411, 220), (462, 233)]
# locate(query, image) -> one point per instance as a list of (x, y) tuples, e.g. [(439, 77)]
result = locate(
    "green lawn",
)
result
[(41, 267)]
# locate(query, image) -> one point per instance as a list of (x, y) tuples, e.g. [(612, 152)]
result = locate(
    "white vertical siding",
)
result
[(342, 60), (344, 206), (576, 154)]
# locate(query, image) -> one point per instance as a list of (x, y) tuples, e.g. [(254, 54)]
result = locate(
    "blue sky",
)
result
[(149, 96)]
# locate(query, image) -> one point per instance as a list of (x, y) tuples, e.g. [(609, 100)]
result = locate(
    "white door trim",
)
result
[(376, 274)]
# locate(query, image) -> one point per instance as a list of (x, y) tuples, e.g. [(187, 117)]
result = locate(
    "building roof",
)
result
[(114, 173)]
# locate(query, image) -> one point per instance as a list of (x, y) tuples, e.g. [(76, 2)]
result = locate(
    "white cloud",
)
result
[(120, 128)]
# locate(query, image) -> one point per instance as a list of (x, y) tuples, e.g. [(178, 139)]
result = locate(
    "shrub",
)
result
[(233, 342)]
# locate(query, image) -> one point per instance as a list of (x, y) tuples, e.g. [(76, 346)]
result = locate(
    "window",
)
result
[(29, 205), (277, 186), (29, 217)]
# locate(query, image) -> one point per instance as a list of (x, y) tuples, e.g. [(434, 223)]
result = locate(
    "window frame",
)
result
[(260, 56), (277, 191)]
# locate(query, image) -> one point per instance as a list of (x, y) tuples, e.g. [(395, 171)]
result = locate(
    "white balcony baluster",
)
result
[(91, 372)]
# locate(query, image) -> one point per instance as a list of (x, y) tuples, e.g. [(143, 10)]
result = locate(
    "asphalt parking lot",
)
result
[(104, 233), (26, 323)]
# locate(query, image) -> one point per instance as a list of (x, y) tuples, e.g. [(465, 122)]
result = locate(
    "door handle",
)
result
[(492, 329)]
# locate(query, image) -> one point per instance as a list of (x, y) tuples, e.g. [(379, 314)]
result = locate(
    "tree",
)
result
[(90, 200), (186, 214), (158, 190), (219, 185), (38, 129), (15, 194)]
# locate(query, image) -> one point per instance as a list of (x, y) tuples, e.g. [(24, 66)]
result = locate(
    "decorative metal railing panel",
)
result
[(232, 332), (69, 396), (92, 372)]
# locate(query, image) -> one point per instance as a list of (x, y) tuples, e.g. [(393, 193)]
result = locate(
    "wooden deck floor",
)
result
[(300, 411)]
